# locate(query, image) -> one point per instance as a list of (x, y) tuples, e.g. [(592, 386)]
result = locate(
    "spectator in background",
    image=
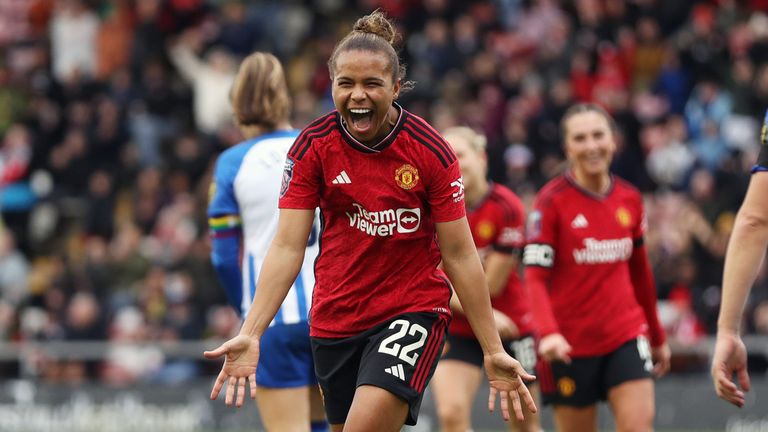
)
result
[(73, 40)]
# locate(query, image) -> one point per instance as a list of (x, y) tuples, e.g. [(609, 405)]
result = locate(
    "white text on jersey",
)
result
[(384, 223), (603, 251)]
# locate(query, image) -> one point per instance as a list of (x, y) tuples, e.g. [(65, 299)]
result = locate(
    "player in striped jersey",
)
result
[(243, 220)]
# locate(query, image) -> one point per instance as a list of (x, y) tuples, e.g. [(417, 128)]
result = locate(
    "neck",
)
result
[(253, 131), (597, 184), (473, 195)]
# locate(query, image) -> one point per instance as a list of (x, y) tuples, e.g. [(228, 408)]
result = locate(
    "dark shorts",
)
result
[(587, 380), (468, 350), (286, 357), (399, 355)]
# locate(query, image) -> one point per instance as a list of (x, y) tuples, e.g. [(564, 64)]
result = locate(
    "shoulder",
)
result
[(320, 128), (425, 137), (627, 189), (505, 199), (231, 159), (550, 192)]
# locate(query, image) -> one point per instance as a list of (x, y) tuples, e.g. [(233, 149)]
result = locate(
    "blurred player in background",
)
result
[(389, 190), (591, 287), (243, 218), (496, 218), (746, 251)]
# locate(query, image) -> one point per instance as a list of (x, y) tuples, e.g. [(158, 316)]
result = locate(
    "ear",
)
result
[(396, 91)]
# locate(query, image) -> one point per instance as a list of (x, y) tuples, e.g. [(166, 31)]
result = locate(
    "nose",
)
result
[(358, 93)]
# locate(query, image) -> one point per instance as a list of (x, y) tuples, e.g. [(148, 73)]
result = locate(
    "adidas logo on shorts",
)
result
[(397, 371)]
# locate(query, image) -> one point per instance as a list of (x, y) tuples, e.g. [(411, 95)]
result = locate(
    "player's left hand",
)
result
[(507, 378), (661, 359)]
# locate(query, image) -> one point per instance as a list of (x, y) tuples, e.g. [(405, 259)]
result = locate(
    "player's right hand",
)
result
[(242, 355), (730, 358), (554, 347)]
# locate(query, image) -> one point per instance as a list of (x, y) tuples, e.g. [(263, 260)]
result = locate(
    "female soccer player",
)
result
[(243, 219), (592, 291), (496, 219), (389, 191)]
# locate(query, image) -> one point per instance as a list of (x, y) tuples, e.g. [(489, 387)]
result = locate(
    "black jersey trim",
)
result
[(381, 145), (314, 130), (638, 242), (434, 137), (423, 141), (572, 181)]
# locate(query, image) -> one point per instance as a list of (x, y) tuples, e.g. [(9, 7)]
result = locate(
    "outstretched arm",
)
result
[(462, 264)]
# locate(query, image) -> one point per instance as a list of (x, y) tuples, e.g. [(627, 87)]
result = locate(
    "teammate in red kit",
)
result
[(389, 192), (496, 218), (591, 287)]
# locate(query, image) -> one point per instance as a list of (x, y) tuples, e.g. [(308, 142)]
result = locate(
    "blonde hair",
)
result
[(259, 93), (476, 140), (375, 33)]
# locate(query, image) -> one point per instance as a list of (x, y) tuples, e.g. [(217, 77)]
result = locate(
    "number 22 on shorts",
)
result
[(405, 353)]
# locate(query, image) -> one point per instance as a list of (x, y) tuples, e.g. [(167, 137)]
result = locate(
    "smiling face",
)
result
[(472, 162), (589, 143), (363, 92)]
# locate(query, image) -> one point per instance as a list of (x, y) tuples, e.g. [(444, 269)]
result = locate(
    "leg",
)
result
[(316, 408), (284, 409), (375, 409), (532, 422), (576, 419), (633, 405), (454, 386)]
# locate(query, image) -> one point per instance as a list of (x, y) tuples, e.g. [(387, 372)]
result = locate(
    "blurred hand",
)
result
[(507, 378), (242, 356), (554, 347), (730, 358), (505, 326), (660, 356)]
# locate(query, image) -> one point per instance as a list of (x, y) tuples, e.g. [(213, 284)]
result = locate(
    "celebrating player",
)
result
[(389, 191), (496, 219), (593, 294), (243, 220)]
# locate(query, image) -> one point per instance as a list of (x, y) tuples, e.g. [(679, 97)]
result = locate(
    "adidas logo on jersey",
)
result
[(342, 178), (579, 221), (397, 371)]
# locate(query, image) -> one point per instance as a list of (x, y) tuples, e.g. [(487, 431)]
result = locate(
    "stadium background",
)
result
[(112, 113)]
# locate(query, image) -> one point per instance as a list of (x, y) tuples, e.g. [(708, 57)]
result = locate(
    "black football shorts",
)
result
[(468, 350), (398, 355)]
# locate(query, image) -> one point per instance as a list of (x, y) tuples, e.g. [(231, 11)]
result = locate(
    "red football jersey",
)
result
[(497, 224), (379, 205), (580, 245)]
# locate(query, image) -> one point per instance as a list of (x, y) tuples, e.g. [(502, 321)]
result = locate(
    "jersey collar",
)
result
[(381, 145), (572, 181)]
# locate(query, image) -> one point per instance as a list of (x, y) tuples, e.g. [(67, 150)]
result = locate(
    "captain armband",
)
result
[(541, 255)]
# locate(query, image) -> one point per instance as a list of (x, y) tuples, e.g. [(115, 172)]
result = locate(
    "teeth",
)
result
[(360, 110)]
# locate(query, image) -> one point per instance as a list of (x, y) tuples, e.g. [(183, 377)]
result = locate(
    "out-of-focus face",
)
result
[(363, 92), (589, 143), (473, 163)]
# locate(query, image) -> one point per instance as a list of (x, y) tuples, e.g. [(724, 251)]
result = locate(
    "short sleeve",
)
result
[(642, 222), (221, 194), (446, 193), (510, 235), (541, 231), (300, 187)]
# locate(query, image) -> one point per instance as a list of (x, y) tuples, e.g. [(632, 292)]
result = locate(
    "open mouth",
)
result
[(361, 118)]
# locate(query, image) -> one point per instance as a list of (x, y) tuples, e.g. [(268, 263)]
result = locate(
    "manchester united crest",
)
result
[(623, 217), (485, 230), (407, 177), (566, 386)]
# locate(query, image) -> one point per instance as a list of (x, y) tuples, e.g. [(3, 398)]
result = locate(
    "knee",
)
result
[(638, 422), (453, 416)]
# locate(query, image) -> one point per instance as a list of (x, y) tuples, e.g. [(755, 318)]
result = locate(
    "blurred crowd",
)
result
[(112, 113)]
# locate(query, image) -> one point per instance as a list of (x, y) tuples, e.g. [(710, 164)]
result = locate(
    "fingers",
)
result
[(231, 387), (726, 389), (517, 406), (505, 406), (218, 384), (218, 352), (240, 391), (252, 378), (523, 391), (661, 368), (743, 376), (492, 399)]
